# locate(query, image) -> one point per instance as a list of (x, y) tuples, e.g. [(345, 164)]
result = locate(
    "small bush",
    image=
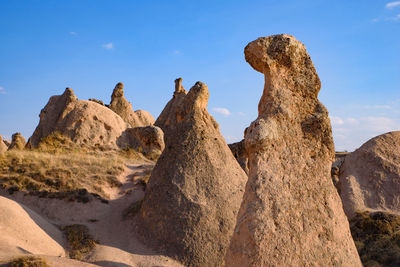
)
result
[(377, 238), (29, 261), (80, 242)]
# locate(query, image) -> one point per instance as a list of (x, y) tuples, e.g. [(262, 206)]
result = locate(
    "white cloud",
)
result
[(392, 4), (377, 107), (177, 52), (73, 33), (108, 46), (351, 133), (2, 90), (223, 111)]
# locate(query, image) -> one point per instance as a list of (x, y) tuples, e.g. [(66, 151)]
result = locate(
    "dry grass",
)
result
[(80, 242), (28, 261), (60, 174), (377, 238)]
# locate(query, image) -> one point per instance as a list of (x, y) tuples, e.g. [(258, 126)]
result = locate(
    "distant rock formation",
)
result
[(85, 122), (291, 214), (17, 142), (3, 146), (239, 151), (167, 120), (370, 176), (149, 140), (191, 201), (123, 108)]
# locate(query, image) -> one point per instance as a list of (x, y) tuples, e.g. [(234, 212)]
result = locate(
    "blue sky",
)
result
[(90, 45)]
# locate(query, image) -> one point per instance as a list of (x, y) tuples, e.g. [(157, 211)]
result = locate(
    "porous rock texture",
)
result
[(17, 142), (370, 176), (167, 120), (239, 151), (194, 192), (3, 146), (123, 108), (291, 214), (149, 140), (85, 122)]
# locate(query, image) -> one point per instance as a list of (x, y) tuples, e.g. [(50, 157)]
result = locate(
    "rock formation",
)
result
[(85, 122), (291, 214), (123, 108), (3, 146), (239, 151), (17, 142), (370, 176), (149, 140), (194, 193), (168, 117), (24, 230)]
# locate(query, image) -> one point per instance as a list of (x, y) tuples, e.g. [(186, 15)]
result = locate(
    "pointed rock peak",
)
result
[(69, 95), (118, 91), (197, 98)]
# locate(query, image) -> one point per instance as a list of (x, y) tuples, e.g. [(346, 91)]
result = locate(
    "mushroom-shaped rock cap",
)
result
[(118, 90), (283, 57)]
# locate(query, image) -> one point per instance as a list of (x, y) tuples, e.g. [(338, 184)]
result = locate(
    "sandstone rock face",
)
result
[(24, 230), (148, 140), (291, 214), (239, 151), (85, 122), (3, 146), (167, 120), (370, 176), (194, 193), (17, 142), (123, 108)]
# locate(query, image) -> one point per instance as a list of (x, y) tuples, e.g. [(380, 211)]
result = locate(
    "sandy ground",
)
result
[(118, 244)]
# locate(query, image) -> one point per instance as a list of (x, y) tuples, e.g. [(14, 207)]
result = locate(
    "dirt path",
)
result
[(118, 243)]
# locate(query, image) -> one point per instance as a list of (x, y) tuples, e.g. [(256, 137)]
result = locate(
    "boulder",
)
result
[(370, 176), (291, 214), (85, 122), (3, 146), (168, 117), (194, 192), (239, 151), (17, 142), (123, 108), (148, 140)]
